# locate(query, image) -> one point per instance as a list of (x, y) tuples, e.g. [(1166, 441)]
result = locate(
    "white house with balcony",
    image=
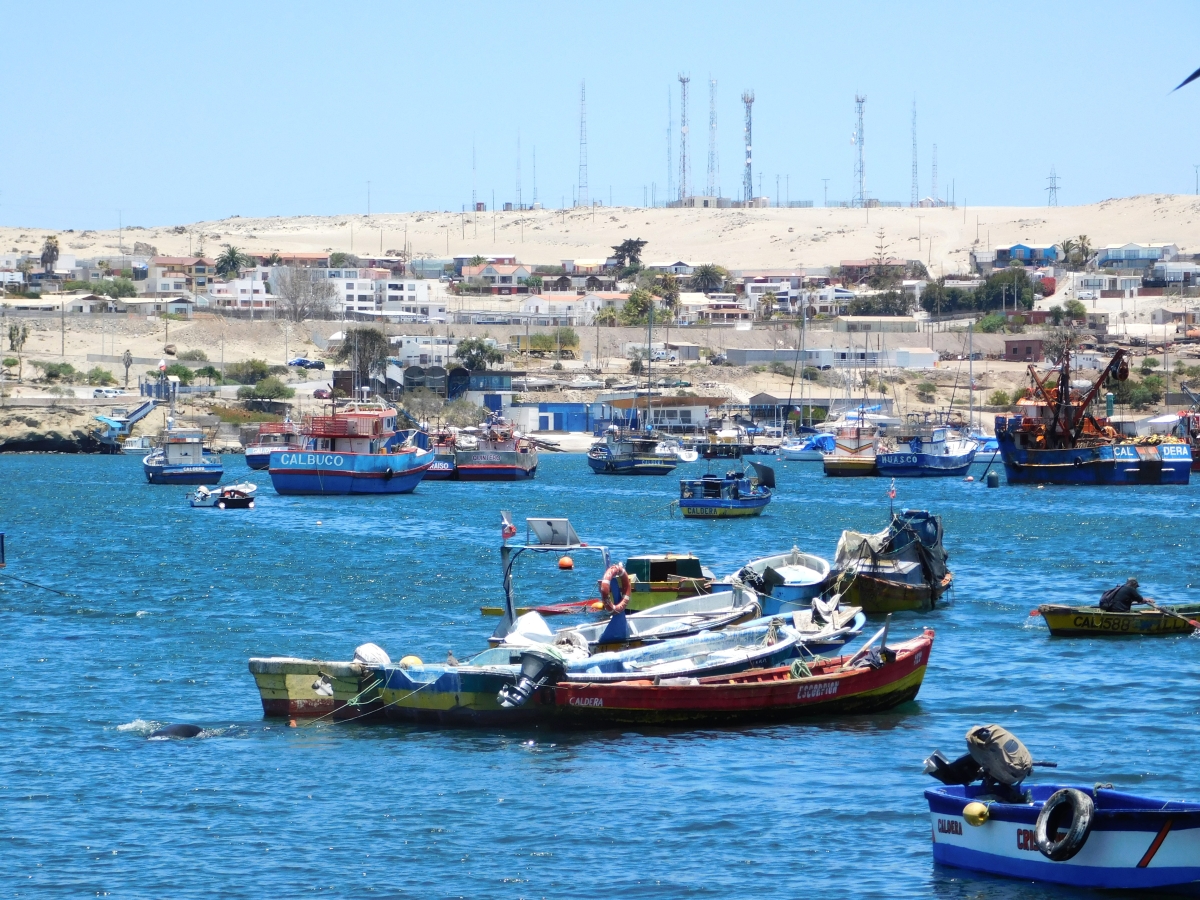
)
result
[(413, 299)]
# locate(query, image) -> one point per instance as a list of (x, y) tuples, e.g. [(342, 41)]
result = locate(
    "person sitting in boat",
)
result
[(616, 583), (1122, 597)]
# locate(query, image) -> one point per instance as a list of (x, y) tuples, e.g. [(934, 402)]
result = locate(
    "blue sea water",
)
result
[(166, 604)]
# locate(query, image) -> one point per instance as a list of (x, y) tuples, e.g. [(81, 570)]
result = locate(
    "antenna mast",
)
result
[(860, 173), (714, 167), (535, 200), (936, 202), (670, 132), (581, 198), (916, 193), (683, 137), (519, 206), (748, 177)]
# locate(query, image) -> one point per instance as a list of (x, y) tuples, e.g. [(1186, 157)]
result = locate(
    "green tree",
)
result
[(999, 398), (462, 413), (534, 282), (232, 261), (636, 310), (628, 253), (274, 260), (366, 349), (477, 260), (18, 334), (249, 371), (49, 254), (766, 306), (1075, 310), (100, 375), (115, 288), (709, 278), (606, 316), (271, 388), (183, 373), (889, 303), (210, 372), (476, 354), (1056, 314), (340, 260), (423, 404)]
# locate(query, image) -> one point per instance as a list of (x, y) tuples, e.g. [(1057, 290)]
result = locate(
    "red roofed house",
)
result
[(179, 274)]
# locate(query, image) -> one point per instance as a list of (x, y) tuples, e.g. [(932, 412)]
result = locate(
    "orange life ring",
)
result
[(616, 570)]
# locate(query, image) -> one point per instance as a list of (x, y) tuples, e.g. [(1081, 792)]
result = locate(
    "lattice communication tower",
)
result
[(748, 177)]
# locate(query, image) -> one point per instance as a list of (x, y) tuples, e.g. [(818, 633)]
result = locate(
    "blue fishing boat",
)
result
[(1086, 836), (354, 451), (920, 450), (273, 436), (732, 495), (787, 581), (180, 458), (630, 453), (1057, 439)]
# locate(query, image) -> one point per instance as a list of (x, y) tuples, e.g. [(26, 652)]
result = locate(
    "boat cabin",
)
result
[(183, 446), (351, 432)]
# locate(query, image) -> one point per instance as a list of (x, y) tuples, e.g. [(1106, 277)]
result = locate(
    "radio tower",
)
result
[(534, 201), (1052, 200), (860, 173), (747, 177), (714, 166), (581, 198), (936, 202), (519, 169), (683, 137), (916, 194), (670, 138)]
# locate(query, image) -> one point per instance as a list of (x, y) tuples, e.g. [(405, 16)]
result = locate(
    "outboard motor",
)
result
[(538, 667), (994, 754)]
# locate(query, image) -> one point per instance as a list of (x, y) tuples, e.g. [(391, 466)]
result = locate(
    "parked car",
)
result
[(303, 363), (322, 394), (108, 392)]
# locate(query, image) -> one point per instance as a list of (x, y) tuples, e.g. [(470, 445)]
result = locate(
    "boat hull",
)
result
[(723, 508), (878, 596), (759, 695), (1103, 464), (1091, 621), (923, 465), (849, 466), (632, 465), (1139, 847), (257, 458), (311, 688), (801, 455), (443, 468), (450, 695), (311, 472), (494, 465), (186, 474)]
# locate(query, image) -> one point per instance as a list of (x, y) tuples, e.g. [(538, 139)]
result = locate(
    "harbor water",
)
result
[(164, 604)]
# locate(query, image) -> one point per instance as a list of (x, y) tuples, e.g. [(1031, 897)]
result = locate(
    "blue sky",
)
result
[(178, 112)]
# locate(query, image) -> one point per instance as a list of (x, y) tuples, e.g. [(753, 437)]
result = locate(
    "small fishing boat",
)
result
[(230, 496), (823, 626), (681, 618), (853, 451), (1057, 439), (900, 568), (291, 687), (1092, 621), (273, 436), (1086, 836), (180, 458), (807, 447), (452, 694), (444, 445), (870, 680), (623, 452), (787, 581), (662, 577), (354, 451), (921, 450), (734, 494), (500, 454)]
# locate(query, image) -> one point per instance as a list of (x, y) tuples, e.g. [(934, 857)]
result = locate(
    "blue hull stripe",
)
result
[(1038, 868)]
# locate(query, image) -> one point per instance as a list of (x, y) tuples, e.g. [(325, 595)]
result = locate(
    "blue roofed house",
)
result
[(1028, 255)]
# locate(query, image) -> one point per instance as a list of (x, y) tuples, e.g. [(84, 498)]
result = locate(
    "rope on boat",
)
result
[(353, 701), (36, 585), (370, 712), (800, 669)]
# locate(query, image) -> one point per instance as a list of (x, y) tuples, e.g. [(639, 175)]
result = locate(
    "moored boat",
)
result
[(443, 468), (662, 577), (922, 451), (293, 687), (734, 494), (787, 581), (500, 454), (180, 457), (628, 453), (857, 683), (1057, 439), (1092, 621), (807, 447), (272, 436), (354, 451), (900, 568), (853, 451), (1087, 836), (229, 496)]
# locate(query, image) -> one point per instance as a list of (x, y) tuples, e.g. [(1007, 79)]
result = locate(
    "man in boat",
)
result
[(617, 584), (1122, 597)]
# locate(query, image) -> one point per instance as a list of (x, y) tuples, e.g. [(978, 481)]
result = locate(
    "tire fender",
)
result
[(1072, 808)]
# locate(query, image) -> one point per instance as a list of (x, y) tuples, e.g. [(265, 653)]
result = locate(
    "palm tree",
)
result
[(1085, 249), (232, 261), (766, 305), (49, 254), (1068, 247), (274, 260), (708, 278)]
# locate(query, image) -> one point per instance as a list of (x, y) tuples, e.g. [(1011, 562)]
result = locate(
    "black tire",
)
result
[(388, 473), (1070, 808)]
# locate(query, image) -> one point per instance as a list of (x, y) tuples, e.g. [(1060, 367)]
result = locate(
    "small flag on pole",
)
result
[(892, 490)]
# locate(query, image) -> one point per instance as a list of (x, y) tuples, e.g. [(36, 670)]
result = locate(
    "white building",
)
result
[(412, 299), (251, 291), (422, 350)]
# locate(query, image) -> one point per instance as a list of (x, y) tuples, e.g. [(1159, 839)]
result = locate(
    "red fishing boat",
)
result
[(870, 680)]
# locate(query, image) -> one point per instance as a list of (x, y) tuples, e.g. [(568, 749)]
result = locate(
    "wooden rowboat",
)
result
[(1091, 621), (878, 595), (841, 685)]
